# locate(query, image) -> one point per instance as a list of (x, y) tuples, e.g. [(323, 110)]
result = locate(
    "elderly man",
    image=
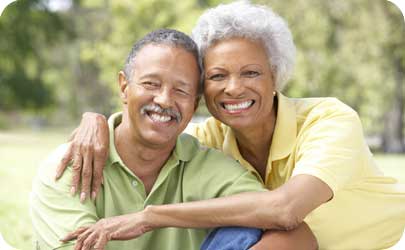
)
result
[(149, 161)]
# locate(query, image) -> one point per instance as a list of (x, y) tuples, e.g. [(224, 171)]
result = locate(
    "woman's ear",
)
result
[(123, 84)]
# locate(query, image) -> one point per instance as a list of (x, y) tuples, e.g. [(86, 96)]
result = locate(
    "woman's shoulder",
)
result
[(322, 107), (210, 132)]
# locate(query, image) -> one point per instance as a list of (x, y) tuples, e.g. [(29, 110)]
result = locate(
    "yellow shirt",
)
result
[(323, 137)]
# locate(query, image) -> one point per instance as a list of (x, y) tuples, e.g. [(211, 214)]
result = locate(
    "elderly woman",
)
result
[(310, 153)]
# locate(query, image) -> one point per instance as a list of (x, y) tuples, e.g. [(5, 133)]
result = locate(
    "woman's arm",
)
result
[(88, 150), (284, 208)]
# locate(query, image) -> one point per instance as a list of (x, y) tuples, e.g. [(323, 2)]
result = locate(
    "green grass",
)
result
[(20, 154)]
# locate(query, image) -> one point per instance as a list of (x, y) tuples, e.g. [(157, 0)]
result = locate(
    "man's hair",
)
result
[(168, 37), (254, 22)]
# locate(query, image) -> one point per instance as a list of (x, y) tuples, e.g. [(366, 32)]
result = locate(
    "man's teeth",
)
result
[(242, 105), (160, 118)]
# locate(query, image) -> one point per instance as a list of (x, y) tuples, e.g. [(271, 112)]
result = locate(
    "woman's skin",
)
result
[(239, 91), (241, 78)]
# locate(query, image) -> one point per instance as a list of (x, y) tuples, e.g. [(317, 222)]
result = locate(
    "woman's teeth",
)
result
[(242, 105)]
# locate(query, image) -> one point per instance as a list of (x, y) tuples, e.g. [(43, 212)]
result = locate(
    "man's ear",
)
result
[(123, 84)]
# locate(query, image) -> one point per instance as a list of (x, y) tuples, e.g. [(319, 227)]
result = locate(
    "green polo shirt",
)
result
[(192, 173)]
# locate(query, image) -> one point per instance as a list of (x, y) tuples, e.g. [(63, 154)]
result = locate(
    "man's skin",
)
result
[(147, 139), (164, 76)]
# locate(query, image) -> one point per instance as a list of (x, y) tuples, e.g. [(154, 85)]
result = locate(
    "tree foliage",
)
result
[(27, 28), (351, 49)]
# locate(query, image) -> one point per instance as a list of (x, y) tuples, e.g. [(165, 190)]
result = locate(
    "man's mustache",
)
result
[(164, 111)]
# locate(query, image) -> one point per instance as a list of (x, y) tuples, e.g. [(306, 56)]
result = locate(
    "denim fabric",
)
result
[(231, 238)]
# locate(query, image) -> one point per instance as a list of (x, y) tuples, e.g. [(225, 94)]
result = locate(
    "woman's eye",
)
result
[(217, 77), (250, 73)]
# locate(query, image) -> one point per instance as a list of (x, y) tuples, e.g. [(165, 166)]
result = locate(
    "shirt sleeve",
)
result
[(54, 212), (330, 145)]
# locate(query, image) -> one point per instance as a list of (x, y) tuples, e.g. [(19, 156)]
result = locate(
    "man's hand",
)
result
[(124, 227), (88, 150)]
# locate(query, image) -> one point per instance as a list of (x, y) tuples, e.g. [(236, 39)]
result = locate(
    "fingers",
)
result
[(91, 239), (101, 242), (73, 235), (67, 157), (76, 172), (81, 238), (100, 156), (89, 242), (87, 173), (73, 134)]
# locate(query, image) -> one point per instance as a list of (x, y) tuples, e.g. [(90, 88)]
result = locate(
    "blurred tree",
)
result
[(394, 65), (351, 50), (27, 28)]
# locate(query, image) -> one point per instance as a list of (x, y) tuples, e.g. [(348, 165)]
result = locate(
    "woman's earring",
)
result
[(274, 93)]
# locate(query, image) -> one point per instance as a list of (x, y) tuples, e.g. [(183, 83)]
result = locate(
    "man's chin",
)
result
[(159, 139)]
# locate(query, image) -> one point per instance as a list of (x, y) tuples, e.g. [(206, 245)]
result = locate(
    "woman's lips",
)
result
[(237, 107)]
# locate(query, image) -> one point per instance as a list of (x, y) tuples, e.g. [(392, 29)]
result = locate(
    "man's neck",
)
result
[(145, 161)]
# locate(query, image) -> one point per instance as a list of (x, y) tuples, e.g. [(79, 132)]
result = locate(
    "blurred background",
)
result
[(60, 58)]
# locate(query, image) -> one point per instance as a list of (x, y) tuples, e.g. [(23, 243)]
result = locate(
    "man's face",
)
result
[(162, 95)]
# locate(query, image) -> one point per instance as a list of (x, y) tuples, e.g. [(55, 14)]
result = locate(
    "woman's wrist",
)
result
[(150, 218)]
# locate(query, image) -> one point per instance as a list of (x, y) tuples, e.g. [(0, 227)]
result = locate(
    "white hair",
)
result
[(251, 21)]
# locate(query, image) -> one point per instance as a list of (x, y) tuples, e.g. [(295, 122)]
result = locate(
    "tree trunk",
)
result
[(394, 120)]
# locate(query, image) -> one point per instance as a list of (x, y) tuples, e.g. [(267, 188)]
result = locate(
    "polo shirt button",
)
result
[(134, 183)]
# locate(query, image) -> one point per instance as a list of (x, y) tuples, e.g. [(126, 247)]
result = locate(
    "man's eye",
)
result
[(250, 73), (217, 77), (182, 92), (150, 85)]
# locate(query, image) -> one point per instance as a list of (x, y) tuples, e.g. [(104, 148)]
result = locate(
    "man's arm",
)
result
[(54, 212)]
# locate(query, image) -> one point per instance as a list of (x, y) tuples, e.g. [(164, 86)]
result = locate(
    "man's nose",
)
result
[(163, 98), (234, 87)]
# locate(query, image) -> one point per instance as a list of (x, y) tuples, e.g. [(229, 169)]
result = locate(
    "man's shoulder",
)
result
[(201, 156), (47, 168)]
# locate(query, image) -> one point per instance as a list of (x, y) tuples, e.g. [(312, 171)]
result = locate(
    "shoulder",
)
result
[(311, 111), (47, 169), (317, 106), (203, 158), (210, 132)]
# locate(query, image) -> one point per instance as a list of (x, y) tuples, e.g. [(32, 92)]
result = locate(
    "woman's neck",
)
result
[(254, 143)]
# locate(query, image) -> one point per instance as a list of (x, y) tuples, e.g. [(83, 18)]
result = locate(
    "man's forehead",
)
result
[(155, 58)]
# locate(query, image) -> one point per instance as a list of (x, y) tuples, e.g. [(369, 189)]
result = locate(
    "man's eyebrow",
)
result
[(183, 83), (152, 75)]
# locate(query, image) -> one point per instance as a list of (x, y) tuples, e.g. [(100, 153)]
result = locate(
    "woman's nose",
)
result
[(234, 87)]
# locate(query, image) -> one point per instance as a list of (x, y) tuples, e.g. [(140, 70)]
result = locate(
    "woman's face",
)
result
[(238, 83)]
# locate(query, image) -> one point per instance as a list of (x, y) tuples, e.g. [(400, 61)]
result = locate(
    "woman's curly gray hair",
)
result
[(256, 22)]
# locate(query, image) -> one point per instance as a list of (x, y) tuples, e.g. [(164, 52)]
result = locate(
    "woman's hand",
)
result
[(88, 150), (124, 227)]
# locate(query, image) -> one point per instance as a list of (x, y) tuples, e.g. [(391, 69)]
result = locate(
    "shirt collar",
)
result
[(285, 131), (183, 151), (113, 121)]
